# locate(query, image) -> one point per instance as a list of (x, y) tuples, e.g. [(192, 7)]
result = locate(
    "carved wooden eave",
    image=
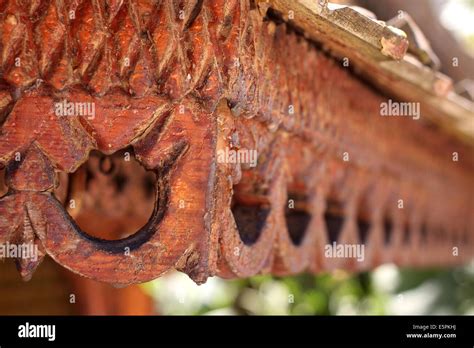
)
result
[(182, 83), (378, 52)]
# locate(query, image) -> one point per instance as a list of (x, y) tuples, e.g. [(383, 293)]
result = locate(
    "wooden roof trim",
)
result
[(378, 53)]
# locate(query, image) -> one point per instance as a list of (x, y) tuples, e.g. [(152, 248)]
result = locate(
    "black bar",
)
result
[(294, 330)]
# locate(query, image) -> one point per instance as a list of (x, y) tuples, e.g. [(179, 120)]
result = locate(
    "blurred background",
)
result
[(385, 290)]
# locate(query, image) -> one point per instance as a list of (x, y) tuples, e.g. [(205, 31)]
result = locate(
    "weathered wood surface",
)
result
[(182, 81), (377, 51)]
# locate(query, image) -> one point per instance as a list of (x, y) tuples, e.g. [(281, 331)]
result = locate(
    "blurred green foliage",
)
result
[(386, 290)]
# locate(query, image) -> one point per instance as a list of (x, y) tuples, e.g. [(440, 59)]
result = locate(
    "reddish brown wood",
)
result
[(179, 81)]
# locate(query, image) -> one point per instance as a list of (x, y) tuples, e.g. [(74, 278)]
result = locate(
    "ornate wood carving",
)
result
[(182, 82)]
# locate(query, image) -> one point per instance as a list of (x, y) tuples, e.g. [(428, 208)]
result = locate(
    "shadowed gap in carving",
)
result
[(388, 230), (297, 217), (406, 234), (109, 197), (250, 204), (3, 186), (363, 228), (250, 221), (334, 220), (363, 220), (423, 234)]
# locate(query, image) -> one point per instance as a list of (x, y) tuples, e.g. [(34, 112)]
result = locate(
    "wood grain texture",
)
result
[(181, 81), (377, 51)]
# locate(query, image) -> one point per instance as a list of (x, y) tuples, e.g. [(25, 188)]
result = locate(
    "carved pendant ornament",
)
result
[(259, 149)]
